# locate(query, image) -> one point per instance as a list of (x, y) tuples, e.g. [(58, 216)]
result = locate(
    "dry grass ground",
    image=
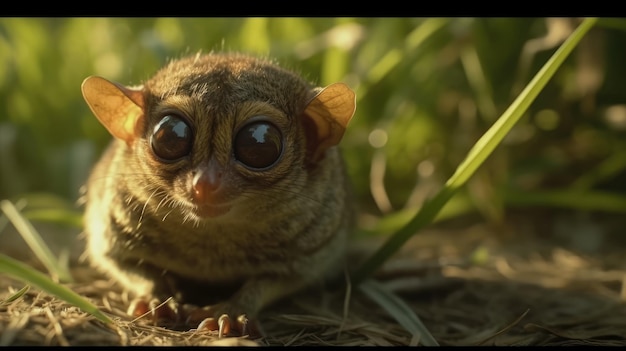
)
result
[(530, 288)]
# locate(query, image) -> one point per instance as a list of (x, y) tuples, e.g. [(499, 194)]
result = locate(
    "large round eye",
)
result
[(171, 138), (258, 144)]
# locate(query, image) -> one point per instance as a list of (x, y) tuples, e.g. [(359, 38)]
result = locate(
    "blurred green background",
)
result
[(427, 89)]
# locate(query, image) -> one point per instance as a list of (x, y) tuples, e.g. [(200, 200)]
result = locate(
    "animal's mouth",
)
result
[(210, 211)]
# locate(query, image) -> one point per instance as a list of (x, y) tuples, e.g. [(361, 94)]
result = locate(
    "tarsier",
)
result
[(223, 185)]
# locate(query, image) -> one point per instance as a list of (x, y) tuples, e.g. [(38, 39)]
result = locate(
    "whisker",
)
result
[(160, 199), (143, 209), (164, 200), (167, 214), (274, 195)]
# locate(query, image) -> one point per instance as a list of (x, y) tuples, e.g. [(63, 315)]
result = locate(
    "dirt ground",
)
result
[(539, 280)]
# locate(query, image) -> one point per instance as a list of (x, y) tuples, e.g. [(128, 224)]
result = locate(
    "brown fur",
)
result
[(287, 225)]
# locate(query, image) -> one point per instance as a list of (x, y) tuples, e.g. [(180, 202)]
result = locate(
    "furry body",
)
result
[(262, 234)]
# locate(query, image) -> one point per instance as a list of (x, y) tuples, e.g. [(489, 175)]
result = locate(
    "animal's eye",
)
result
[(258, 145), (171, 138)]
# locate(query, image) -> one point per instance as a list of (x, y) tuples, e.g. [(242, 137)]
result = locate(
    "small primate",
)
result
[(223, 185)]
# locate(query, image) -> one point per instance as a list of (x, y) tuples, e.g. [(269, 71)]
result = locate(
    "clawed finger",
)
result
[(204, 318), (225, 326), (157, 311)]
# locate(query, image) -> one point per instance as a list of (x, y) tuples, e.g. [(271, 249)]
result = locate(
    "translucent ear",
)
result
[(117, 107), (326, 118)]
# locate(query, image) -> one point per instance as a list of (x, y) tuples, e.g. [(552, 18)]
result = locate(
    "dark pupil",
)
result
[(258, 145), (171, 138)]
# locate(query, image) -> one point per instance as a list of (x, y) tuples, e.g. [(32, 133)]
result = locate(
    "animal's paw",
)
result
[(225, 324), (158, 312), (218, 318)]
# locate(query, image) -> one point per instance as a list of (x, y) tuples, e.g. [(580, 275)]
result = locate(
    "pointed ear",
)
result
[(117, 107), (326, 118)]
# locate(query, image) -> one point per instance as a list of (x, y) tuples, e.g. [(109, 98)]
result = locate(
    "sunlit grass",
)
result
[(476, 156), (57, 272), (56, 269), (334, 63), (20, 271), (400, 311), (18, 294)]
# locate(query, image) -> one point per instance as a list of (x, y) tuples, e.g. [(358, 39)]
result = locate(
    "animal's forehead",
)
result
[(227, 77)]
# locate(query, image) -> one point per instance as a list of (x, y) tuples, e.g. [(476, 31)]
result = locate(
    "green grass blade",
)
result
[(29, 275), (567, 198), (19, 205), (35, 242), (56, 215), (15, 296), (611, 167), (488, 142), (399, 310), (477, 155), (570, 198)]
